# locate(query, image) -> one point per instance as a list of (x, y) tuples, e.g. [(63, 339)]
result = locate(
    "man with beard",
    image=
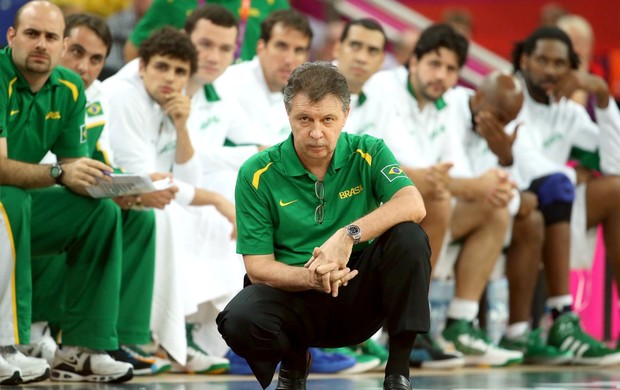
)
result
[(471, 211), (257, 85), (572, 200), (42, 109)]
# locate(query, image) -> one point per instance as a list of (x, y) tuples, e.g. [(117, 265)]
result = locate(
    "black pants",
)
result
[(263, 323)]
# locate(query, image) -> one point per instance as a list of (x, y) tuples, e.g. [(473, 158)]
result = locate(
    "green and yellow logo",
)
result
[(351, 192), (52, 115), (94, 109), (393, 172)]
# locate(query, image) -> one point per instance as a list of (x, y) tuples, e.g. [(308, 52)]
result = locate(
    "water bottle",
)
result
[(497, 309), (440, 295)]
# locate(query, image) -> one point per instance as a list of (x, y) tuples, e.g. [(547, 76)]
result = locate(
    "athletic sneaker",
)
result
[(427, 354), (370, 347), (473, 343), (329, 363), (31, 369), (198, 362), (159, 364), (535, 351), (44, 348), (363, 362), (9, 374), (140, 365), (238, 365), (79, 364), (566, 335)]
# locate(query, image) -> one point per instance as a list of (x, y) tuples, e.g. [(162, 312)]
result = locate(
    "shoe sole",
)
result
[(475, 361), (212, 370), (608, 360), (14, 379), (362, 367), (37, 377), (446, 364), (67, 376)]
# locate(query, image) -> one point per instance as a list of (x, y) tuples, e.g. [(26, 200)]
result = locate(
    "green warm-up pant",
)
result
[(54, 220), (138, 272)]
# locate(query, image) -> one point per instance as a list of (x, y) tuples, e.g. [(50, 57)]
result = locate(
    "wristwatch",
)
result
[(354, 232), (56, 173)]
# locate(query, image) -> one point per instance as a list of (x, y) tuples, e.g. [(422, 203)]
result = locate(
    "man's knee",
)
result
[(408, 234), (241, 320), (556, 194)]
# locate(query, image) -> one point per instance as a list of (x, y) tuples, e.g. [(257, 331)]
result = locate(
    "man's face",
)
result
[(216, 48), (316, 127), (84, 53), (543, 68), (37, 43), (285, 51), (163, 76), (434, 73), (360, 55)]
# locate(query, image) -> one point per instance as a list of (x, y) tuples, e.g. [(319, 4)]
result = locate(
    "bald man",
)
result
[(488, 137), (42, 108)]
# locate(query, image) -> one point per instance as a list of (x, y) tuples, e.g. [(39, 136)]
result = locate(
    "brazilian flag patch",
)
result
[(94, 109), (393, 172)]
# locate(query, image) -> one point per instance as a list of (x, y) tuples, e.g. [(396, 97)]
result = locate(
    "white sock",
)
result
[(560, 302), (37, 331), (463, 309), (516, 330)]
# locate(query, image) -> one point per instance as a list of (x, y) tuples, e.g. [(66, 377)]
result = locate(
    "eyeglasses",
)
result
[(319, 212)]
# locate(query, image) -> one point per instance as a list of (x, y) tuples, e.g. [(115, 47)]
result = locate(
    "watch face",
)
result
[(353, 230), (55, 171)]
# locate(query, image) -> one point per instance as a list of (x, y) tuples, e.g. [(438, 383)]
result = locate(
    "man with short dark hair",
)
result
[(330, 241), (42, 109), (150, 135), (257, 85), (467, 210)]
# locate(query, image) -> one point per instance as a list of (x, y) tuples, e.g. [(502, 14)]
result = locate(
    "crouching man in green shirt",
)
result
[(328, 229)]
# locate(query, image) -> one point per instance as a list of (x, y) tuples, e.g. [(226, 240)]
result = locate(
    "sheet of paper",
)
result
[(123, 184)]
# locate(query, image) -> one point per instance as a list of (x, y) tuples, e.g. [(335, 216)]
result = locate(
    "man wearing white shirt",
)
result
[(149, 134), (478, 217), (222, 134), (488, 144), (256, 85), (553, 125)]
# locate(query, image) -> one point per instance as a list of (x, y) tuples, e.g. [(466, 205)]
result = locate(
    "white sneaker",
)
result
[(31, 369), (44, 348), (78, 364), (9, 374), (199, 362)]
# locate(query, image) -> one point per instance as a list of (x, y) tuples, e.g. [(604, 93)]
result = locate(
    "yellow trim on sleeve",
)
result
[(104, 153), (256, 178), (74, 89), (365, 156), (13, 289), (95, 124), (11, 86)]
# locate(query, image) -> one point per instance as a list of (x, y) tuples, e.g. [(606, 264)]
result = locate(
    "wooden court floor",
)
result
[(514, 378)]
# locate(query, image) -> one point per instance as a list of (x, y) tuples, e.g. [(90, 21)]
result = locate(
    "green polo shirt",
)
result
[(276, 200), (35, 123), (174, 12)]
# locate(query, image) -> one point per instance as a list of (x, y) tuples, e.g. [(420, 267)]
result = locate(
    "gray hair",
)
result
[(317, 80)]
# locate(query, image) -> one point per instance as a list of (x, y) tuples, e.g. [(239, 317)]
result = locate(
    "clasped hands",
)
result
[(328, 264)]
